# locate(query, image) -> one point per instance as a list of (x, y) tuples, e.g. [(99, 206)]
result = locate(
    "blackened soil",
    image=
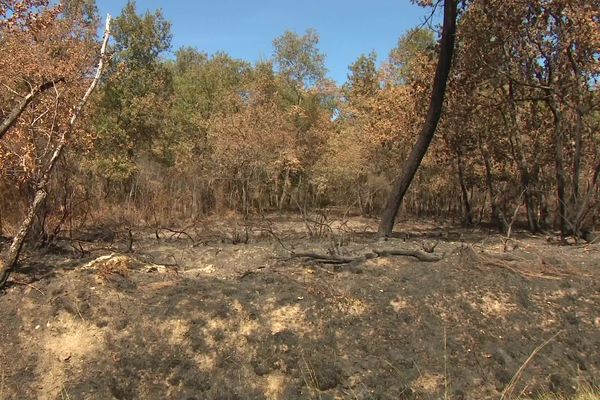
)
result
[(241, 323)]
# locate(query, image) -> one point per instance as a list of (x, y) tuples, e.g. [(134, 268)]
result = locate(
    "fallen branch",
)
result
[(337, 260), (532, 265), (325, 259), (418, 254), (174, 232)]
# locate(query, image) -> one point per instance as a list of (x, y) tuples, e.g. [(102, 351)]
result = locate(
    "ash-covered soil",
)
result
[(246, 322)]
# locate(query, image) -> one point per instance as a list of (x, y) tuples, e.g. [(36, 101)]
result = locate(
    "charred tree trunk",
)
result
[(560, 171), (402, 183), (521, 161), (578, 132), (466, 201), (498, 218)]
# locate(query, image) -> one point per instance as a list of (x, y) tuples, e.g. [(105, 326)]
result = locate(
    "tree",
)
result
[(134, 95), (21, 23), (85, 10), (363, 79), (402, 183), (9, 261), (414, 45), (298, 58), (524, 85)]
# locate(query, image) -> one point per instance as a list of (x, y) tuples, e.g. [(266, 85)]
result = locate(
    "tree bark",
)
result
[(402, 183), (14, 115), (498, 218), (467, 209), (559, 169), (518, 154), (9, 262), (577, 160)]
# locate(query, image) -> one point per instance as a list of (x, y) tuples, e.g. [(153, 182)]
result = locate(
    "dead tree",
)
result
[(402, 183), (10, 260)]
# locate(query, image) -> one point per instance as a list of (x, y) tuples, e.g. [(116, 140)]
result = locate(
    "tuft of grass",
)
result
[(585, 393)]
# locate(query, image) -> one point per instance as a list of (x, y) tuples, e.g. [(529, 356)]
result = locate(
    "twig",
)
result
[(23, 283), (511, 386), (78, 310), (445, 364), (175, 232)]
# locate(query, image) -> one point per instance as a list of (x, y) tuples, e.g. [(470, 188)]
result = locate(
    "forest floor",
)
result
[(199, 317)]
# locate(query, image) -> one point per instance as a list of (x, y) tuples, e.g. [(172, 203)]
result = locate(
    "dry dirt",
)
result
[(241, 321)]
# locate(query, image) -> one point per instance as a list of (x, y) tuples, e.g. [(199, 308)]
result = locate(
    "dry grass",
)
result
[(586, 393)]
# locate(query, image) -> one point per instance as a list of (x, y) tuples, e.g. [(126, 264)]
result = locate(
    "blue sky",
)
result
[(246, 29)]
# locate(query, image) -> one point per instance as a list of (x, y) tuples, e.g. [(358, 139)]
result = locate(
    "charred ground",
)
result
[(200, 317)]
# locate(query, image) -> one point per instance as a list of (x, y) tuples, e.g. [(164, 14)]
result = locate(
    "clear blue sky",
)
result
[(246, 28)]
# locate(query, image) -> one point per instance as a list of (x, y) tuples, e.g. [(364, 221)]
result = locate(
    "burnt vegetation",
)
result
[(205, 227)]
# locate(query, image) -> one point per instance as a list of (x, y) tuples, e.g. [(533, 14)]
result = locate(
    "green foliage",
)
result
[(130, 116), (202, 87), (363, 79), (140, 40), (298, 58)]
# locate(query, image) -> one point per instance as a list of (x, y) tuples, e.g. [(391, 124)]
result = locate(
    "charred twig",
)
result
[(250, 272), (269, 229), (130, 240), (174, 232), (530, 265), (430, 247), (23, 283)]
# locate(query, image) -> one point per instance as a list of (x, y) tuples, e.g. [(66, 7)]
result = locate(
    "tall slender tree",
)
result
[(403, 181)]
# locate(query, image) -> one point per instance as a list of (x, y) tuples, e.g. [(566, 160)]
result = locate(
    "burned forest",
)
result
[(181, 223)]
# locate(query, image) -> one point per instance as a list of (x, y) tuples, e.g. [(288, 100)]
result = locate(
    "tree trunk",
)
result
[(526, 185), (576, 173), (560, 171), (284, 189), (519, 157), (498, 218), (402, 183), (467, 209)]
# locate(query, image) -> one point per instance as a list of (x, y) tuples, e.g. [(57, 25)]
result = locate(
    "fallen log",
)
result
[(323, 258), (418, 254), (338, 260)]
